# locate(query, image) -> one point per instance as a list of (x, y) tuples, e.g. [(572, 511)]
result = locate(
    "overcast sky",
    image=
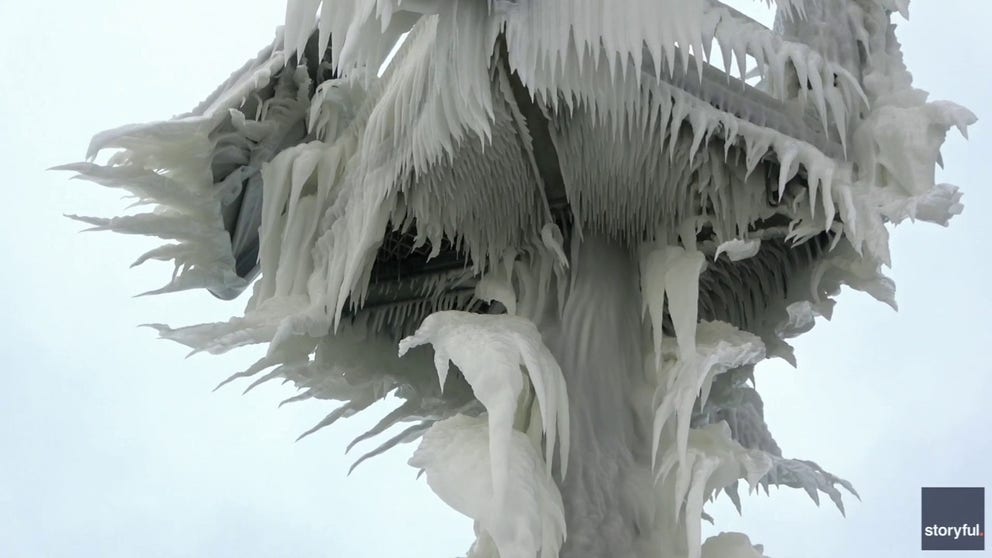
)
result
[(112, 444)]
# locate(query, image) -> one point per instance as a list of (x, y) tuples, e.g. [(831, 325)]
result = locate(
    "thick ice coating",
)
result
[(584, 222)]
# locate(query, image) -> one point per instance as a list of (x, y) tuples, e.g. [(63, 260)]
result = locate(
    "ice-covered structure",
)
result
[(582, 224)]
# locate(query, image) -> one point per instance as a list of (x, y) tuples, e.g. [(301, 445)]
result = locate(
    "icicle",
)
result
[(719, 347), (344, 411), (737, 249), (713, 461), (788, 166), (408, 435), (398, 414), (673, 272), (300, 20), (682, 290)]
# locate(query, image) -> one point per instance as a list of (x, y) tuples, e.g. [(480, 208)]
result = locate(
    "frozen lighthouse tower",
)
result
[(562, 232)]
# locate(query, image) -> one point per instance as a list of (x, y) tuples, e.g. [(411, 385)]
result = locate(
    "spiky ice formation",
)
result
[(553, 185)]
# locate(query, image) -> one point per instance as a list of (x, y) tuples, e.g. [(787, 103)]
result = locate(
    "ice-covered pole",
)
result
[(563, 233)]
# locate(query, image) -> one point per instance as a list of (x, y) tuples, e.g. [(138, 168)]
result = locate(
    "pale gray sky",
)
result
[(113, 445)]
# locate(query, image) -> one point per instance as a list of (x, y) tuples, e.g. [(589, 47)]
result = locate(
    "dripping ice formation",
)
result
[(557, 232)]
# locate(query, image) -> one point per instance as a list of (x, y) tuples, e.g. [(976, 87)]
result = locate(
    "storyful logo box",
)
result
[(953, 519)]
